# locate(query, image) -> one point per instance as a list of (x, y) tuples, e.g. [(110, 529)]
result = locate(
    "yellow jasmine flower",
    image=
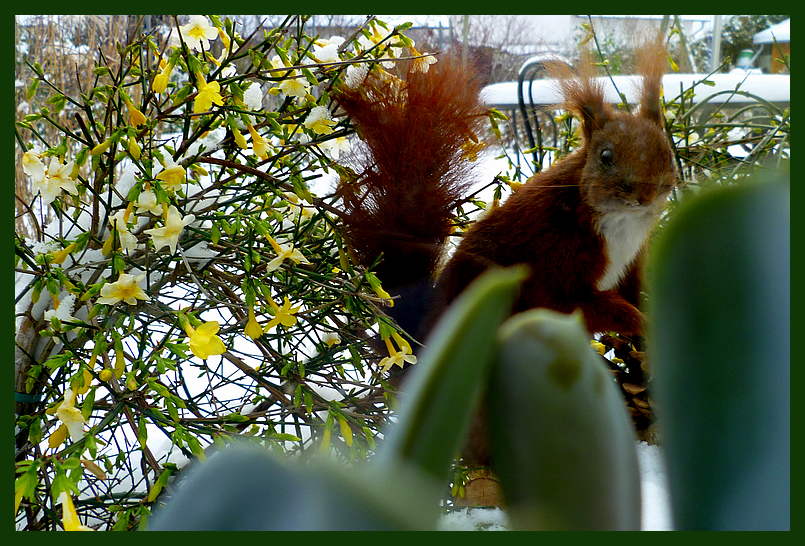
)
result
[(319, 121), (32, 165), (59, 256), (283, 314), (58, 437), (599, 347), (119, 222), (58, 177), (168, 235), (331, 338), (293, 85), (326, 51), (397, 356), (134, 148), (203, 341), (131, 383), (224, 38), (135, 116), (87, 382), (208, 93), (470, 149), (60, 174), (70, 416), (147, 201), (374, 283), (69, 518), (423, 63), (161, 79), (284, 253), (259, 144), (126, 288), (240, 140), (172, 176), (253, 328), (198, 32), (101, 148)]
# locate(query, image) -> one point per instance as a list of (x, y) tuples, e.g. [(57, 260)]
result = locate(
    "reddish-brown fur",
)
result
[(414, 174), (550, 223)]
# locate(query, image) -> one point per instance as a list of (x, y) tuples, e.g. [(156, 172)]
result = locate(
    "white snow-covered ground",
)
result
[(656, 508)]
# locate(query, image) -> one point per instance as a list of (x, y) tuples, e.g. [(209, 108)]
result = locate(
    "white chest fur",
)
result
[(624, 232)]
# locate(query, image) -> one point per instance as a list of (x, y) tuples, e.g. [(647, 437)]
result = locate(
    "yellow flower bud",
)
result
[(101, 148), (134, 148), (106, 374), (135, 116), (106, 249), (240, 140), (61, 255), (57, 438), (87, 377), (120, 363), (224, 38), (253, 328), (161, 80)]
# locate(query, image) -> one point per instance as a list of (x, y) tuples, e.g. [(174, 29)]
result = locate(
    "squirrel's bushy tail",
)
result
[(412, 171)]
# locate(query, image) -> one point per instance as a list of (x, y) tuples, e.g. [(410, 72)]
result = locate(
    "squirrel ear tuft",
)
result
[(583, 94), (652, 58)]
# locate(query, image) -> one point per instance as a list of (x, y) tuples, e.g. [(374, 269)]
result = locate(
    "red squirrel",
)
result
[(580, 225)]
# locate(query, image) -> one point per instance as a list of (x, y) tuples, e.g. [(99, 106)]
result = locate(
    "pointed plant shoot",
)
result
[(444, 388), (720, 343), (563, 443)]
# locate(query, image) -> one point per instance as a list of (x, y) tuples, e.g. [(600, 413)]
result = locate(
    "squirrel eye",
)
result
[(607, 156)]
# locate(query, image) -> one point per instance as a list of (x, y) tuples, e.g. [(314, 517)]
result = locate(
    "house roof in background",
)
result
[(781, 32)]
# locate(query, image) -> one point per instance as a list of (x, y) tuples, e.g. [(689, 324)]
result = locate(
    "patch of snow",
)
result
[(654, 488), (474, 519)]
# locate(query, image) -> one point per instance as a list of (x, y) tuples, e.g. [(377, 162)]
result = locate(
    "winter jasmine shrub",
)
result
[(180, 276)]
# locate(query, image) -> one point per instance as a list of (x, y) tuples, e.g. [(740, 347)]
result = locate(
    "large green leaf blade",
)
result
[(245, 488), (445, 386), (563, 443), (720, 349)]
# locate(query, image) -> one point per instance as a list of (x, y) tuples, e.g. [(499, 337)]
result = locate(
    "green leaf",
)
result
[(562, 440), (720, 347), (142, 432), (156, 489), (346, 430), (245, 488), (31, 91), (88, 404), (444, 387), (25, 484), (236, 418)]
